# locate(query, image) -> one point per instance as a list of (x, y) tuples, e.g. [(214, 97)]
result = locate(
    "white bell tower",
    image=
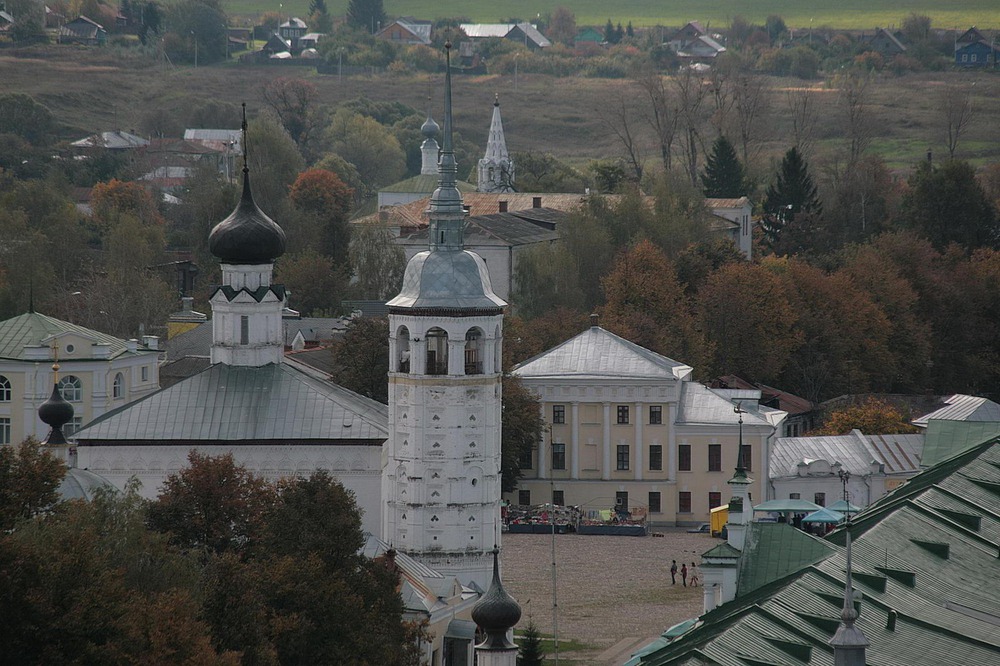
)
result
[(441, 481)]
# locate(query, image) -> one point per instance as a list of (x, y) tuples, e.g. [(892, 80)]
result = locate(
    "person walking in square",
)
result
[(673, 573), (684, 574), (694, 575)]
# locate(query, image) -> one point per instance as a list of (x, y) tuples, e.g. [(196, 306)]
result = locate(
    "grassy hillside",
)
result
[(91, 90), (850, 14)]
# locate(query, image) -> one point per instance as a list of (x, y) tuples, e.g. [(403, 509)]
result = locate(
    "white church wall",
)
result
[(359, 468)]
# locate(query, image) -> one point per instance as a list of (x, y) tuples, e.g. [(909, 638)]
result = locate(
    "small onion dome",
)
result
[(81, 484), (247, 236), (55, 413), (496, 612), (430, 128)]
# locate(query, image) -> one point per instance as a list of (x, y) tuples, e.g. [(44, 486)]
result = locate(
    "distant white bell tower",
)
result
[(441, 481), (496, 169)]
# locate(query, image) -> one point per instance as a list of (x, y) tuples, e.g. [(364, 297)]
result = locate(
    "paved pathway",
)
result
[(614, 593)]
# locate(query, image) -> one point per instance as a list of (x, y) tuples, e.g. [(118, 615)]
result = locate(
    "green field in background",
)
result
[(846, 14)]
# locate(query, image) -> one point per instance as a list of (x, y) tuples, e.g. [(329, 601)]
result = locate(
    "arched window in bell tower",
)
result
[(403, 349), (437, 352), (474, 351)]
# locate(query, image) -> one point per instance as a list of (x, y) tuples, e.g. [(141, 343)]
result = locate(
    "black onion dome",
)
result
[(55, 413), (247, 236), (496, 612)]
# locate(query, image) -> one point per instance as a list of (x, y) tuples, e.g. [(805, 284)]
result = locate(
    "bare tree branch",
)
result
[(955, 106), (620, 120)]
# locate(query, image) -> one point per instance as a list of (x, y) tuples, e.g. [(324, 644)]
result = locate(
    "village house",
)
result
[(522, 33), (83, 30), (407, 30)]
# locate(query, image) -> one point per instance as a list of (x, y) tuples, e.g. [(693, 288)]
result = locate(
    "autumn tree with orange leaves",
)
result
[(873, 416), (647, 305)]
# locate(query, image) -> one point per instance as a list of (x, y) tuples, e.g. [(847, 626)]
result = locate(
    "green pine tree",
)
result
[(792, 193), (367, 15), (609, 32), (530, 652), (724, 177)]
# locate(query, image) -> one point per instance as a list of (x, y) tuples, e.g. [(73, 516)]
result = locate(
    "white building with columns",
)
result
[(441, 481), (627, 427)]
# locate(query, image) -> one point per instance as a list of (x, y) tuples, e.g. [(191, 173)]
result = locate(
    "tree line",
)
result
[(222, 568), (910, 306)]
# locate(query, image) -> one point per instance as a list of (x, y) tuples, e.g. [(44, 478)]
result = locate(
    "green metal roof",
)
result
[(944, 439), (31, 328), (775, 550), (235, 403), (927, 554)]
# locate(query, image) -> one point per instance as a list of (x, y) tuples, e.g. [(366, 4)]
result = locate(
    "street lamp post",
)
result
[(195, 49), (845, 478), (340, 65), (515, 70)]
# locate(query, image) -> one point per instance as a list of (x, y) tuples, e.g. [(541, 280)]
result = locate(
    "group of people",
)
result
[(688, 575)]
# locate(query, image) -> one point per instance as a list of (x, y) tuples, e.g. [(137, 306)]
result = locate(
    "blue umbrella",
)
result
[(824, 516), (844, 506)]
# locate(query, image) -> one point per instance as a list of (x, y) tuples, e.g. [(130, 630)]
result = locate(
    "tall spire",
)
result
[(446, 212), (740, 510), (496, 169), (849, 642), (243, 129)]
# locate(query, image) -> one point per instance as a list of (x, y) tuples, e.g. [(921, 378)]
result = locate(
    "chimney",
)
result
[(536, 202), (151, 342), (594, 318), (503, 206), (132, 345), (187, 303)]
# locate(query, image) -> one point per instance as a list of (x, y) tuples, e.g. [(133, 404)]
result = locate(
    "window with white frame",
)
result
[(4, 389), (75, 424), (145, 373), (4, 430), (71, 388), (118, 386)]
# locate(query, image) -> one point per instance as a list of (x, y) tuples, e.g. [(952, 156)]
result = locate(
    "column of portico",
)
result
[(575, 440), (638, 442), (671, 444), (606, 467), (542, 449)]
